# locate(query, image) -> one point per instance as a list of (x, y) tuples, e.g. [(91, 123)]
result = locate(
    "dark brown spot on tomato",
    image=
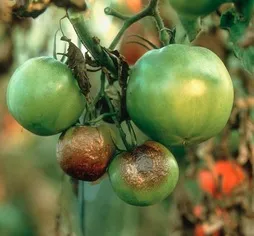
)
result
[(145, 167)]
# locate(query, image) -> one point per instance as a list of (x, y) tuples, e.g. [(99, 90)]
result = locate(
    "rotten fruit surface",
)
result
[(83, 152)]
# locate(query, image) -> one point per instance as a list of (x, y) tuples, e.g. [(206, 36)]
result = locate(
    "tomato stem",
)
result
[(150, 10), (91, 43), (81, 203), (112, 110)]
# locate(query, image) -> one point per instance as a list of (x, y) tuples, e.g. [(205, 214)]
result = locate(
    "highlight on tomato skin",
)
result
[(228, 174)]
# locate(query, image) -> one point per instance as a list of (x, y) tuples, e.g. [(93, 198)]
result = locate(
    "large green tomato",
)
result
[(196, 7), (180, 94), (44, 97), (145, 175)]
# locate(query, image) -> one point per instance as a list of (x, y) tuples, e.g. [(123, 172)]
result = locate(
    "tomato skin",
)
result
[(195, 8), (232, 176), (144, 176), (84, 152), (180, 94), (44, 97)]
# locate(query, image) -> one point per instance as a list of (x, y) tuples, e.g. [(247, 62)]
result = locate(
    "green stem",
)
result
[(81, 203), (91, 43), (150, 10), (163, 34), (132, 132), (114, 118)]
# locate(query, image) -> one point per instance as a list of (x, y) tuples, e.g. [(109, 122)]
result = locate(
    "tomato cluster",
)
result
[(176, 95), (44, 97)]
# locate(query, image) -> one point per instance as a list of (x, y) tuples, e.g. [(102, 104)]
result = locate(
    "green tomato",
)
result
[(195, 8), (180, 94), (144, 176), (44, 97)]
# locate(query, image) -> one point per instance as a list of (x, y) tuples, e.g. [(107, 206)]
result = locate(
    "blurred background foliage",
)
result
[(35, 197)]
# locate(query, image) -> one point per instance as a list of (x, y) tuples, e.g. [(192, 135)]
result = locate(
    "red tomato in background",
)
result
[(133, 51), (199, 231), (134, 5), (232, 176)]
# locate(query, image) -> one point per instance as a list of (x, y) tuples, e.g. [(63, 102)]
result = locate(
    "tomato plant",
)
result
[(176, 90), (144, 176), (222, 179), (175, 101), (83, 152), (44, 97)]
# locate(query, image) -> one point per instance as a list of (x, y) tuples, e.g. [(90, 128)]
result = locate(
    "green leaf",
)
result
[(236, 21)]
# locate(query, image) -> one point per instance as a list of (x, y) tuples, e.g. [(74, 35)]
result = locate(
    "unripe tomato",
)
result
[(195, 8), (144, 176), (180, 94), (44, 97), (231, 174), (83, 152)]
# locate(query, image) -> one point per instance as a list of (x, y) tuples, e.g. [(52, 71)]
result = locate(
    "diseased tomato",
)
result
[(222, 179), (44, 97), (180, 94), (197, 7), (83, 152), (144, 176)]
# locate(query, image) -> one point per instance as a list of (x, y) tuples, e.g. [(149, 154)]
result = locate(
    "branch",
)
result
[(91, 43), (150, 10)]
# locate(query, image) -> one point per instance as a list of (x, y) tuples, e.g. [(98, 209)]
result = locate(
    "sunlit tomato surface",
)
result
[(44, 97), (228, 172), (83, 152), (196, 7), (180, 94), (144, 176)]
